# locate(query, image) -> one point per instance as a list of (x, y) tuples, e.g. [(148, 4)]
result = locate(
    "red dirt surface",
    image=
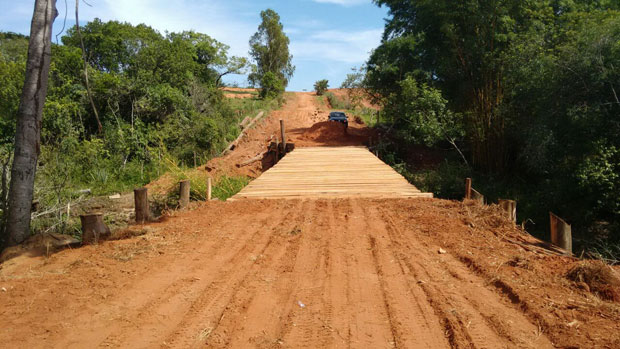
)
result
[(330, 133), (407, 273), (314, 273)]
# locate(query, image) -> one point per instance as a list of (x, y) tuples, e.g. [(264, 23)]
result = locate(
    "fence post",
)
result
[(476, 196), (510, 207), (141, 203), (184, 193), (561, 234), (209, 189), (467, 188), (93, 227), (283, 137)]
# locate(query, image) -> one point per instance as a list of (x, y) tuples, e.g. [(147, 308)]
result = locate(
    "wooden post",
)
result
[(184, 193), (561, 234), (93, 228), (476, 196), (209, 189), (467, 188), (510, 207), (283, 136), (141, 202)]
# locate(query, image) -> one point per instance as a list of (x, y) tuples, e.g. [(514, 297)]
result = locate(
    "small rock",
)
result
[(115, 196), (301, 305), (441, 251), (3, 289), (572, 323)]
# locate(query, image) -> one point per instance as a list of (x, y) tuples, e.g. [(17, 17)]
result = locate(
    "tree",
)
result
[(29, 116), (321, 86), (232, 65), (354, 79), (269, 49), (460, 47)]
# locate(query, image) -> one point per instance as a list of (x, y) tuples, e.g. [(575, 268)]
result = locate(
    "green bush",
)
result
[(337, 103), (271, 86), (321, 86)]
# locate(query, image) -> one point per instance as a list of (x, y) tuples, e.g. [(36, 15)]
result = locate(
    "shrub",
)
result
[(271, 86), (337, 103), (321, 86)]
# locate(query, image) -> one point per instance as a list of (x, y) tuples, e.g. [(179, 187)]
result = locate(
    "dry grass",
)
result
[(598, 278)]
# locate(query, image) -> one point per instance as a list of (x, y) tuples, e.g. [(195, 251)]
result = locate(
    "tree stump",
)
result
[(184, 193), (141, 203), (561, 234), (93, 228), (510, 207)]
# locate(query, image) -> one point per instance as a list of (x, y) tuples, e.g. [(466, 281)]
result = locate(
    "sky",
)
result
[(327, 37)]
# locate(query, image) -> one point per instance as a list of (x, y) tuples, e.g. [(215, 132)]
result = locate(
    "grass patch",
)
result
[(599, 278), (226, 187), (337, 103)]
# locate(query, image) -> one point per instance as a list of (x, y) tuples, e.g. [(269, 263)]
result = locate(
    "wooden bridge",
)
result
[(330, 172)]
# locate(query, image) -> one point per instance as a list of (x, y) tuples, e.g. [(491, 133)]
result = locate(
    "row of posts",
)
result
[(94, 228), (141, 200), (561, 234)]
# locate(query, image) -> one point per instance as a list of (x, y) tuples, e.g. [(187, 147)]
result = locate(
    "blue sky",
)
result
[(328, 37)]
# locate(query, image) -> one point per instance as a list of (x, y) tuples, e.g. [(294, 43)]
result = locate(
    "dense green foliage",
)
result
[(528, 90), (156, 96), (269, 49), (320, 86)]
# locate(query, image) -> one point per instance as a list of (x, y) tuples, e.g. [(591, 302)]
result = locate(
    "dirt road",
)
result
[(361, 273), (300, 113), (338, 273)]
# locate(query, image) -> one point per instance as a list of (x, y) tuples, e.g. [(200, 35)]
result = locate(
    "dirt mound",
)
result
[(239, 89), (239, 95), (597, 278), (324, 131)]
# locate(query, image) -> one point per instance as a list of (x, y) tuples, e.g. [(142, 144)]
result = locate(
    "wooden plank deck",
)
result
[(330, 172)]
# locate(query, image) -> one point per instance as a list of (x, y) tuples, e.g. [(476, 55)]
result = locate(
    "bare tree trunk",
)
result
[(88, 92), (29, 116)]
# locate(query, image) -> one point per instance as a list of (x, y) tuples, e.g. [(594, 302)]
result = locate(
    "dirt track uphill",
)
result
[(315, 273)]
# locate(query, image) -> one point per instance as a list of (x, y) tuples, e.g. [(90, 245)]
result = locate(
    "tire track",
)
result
[(368, 319), (307, 326), (144, 329), (470, 311), (130, 306), (207, 311), (254, 312), (412, 320)]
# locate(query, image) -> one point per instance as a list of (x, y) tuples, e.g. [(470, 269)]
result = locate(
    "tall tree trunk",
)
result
[(30, 113)]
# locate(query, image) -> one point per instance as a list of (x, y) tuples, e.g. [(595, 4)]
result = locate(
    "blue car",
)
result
[(339, 117)]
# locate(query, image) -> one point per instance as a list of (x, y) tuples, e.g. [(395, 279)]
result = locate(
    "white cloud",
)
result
[(351, 47), (210, 17)]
